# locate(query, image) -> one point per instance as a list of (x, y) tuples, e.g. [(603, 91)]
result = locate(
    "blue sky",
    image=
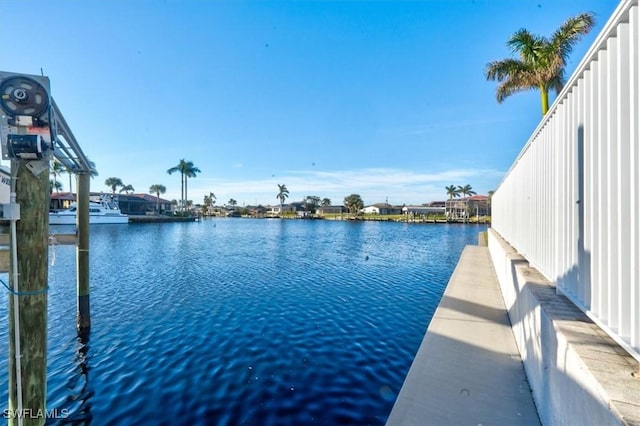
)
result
[(384, 99)]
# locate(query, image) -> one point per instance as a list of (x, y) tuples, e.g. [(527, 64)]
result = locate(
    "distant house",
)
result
[(130, 204), (322, 210), (141, 204), (256, 211), (479, 205), (275, 210), (61, 200), (423, 210), (436, 204), (382, 209), (463, 208)]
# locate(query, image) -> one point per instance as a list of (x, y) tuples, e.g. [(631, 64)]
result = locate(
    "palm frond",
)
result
[(507, 68), (526, 45), (564, 38), (514, 85)]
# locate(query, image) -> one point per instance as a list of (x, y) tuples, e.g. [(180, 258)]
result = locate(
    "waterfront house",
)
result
[(423, 210), (322, 210), (142, 204), (61, 200), (275, 210), (132, 204), (463, 208), (382, 209)]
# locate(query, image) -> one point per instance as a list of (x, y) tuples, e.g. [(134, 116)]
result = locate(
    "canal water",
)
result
[(241, 321)]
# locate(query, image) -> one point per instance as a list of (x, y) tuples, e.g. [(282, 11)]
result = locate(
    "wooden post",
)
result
[(31, 235), (82, 254)]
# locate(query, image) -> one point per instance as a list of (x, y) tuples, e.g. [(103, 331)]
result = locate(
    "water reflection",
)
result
[(76, 410)]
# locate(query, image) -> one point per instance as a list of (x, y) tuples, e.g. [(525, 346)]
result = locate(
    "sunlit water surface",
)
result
[(240, 321)]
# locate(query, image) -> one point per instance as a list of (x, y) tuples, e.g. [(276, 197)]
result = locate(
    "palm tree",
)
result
[(157, 189), (326, 202), (187, 170), (126, 189), (93, 171), (466, 190), (68, 171), (54, 184), (232, 202), (542, 60), (209, 200), (283, 193), (353, 203), (452, 191), (56, 170), (114, 183), (311, 203)]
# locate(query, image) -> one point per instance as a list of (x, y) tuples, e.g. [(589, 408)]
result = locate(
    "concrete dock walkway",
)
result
[(468, 370)]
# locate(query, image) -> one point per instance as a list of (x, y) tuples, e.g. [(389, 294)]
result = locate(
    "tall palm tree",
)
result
[(353, 203), (56, 170), (114, 183), (93, 172), (452, 191), (54, 184), (283, 193), (209, 201), (68, 171), (187, 170), (466, 190), (127, 189), (157, 189), (541, 60), (326, 202)]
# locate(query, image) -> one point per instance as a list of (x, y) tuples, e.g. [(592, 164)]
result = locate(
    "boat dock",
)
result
[(468, 370)]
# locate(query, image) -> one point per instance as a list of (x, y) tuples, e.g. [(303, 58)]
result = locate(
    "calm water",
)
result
[(240, 321)]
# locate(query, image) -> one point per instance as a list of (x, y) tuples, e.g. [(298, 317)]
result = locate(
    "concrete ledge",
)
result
[(467, 370), (578, 374)]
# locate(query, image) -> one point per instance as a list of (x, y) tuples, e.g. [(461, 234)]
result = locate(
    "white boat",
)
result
[(102, 211)]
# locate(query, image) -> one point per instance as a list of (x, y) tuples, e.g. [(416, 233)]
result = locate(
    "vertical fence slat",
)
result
[(634, 166), (613, 186), (623, 181), (603, 252), (594, 210)]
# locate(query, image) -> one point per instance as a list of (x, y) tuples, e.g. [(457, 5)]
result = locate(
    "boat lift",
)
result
[(32, 130)]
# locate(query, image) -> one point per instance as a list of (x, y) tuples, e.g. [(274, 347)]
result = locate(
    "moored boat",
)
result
[(104, 211)]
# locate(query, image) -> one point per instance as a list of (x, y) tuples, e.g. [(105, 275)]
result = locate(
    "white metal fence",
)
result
[(571, 201)]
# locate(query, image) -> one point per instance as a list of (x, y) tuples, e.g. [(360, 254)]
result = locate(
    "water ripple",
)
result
[(244, 321)]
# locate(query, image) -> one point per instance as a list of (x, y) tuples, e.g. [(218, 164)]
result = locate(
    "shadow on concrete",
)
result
[(453, 382)]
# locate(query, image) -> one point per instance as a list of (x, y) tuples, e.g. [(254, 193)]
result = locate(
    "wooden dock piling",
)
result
[(31, 235), (82, 254)]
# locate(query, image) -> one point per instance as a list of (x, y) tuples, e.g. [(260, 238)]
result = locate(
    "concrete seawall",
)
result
[(578, 374)]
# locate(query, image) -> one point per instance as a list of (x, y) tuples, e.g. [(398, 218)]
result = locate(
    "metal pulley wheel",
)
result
[(23, 96)]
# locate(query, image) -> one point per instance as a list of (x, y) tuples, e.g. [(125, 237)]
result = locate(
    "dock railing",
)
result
[(570, 204)]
